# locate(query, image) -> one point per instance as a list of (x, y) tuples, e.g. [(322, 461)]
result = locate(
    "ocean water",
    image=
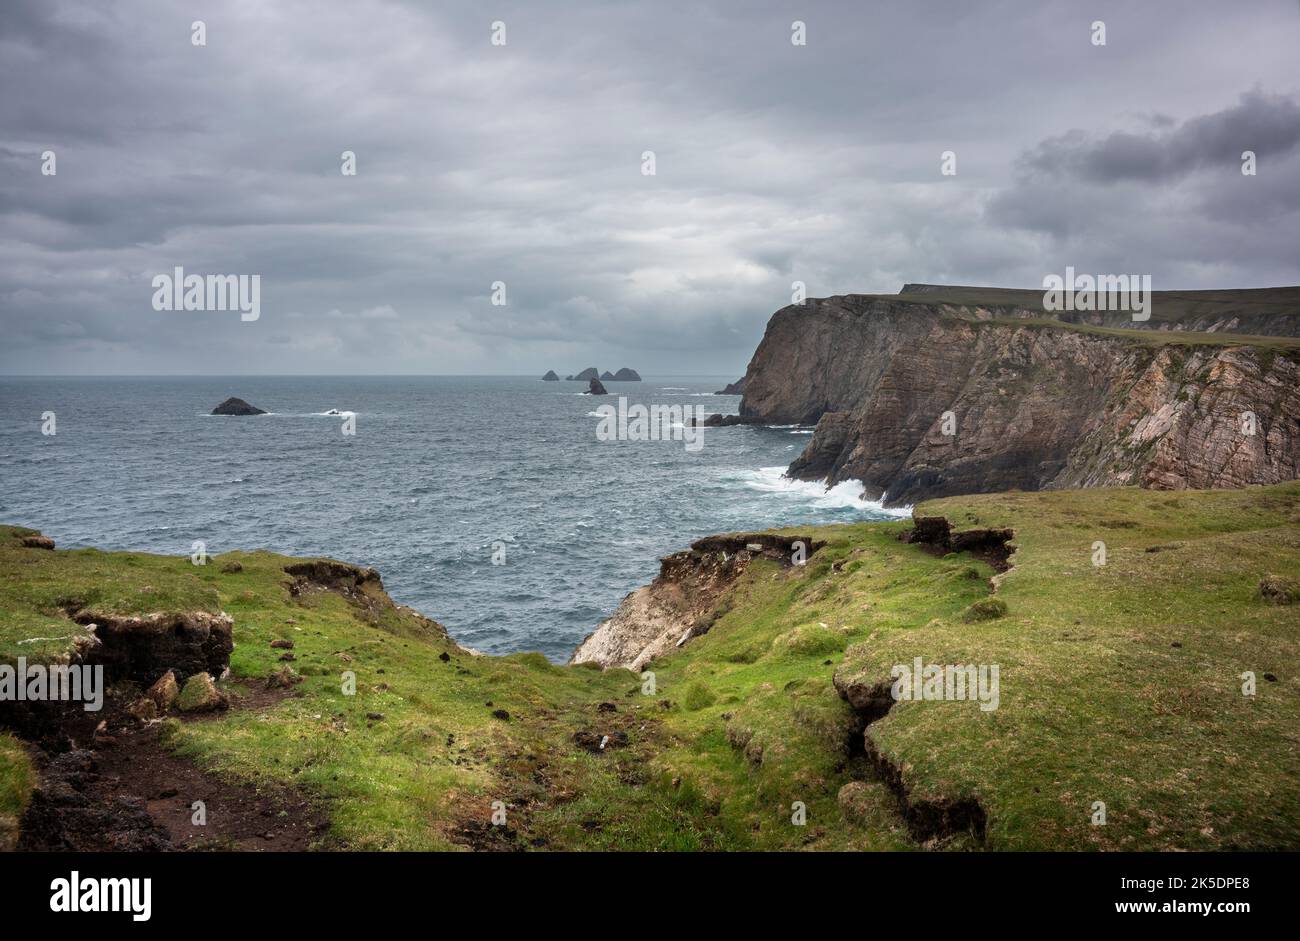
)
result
[(440, 472)]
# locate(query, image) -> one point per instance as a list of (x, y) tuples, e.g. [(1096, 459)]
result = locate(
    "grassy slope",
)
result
[(1169, 309), (1096, 702)]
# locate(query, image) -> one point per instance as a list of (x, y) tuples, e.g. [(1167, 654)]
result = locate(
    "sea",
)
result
[(489, 503)]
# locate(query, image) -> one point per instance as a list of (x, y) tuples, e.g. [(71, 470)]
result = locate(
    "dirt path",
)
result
[(122, 789)]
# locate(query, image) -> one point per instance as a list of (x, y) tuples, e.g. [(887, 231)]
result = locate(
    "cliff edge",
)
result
[(941, 391)]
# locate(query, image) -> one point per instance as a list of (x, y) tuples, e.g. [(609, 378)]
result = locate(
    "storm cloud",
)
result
[(522, 163)]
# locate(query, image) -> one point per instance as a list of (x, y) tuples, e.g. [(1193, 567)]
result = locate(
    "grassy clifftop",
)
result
[(1119, 683)]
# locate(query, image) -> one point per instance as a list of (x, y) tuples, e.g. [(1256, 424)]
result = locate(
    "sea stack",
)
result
[(234, 406), (607, 376), (596, 388), (626, 375), (587, 374), (550, 376)]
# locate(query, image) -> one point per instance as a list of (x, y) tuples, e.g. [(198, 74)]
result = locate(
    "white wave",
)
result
[(846, 494), (334, 413)]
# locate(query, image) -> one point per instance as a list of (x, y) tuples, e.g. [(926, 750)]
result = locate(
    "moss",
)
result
[(698, 696), (989, 609)]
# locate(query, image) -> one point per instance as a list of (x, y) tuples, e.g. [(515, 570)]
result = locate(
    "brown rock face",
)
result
[(677, 605), (923, 400)]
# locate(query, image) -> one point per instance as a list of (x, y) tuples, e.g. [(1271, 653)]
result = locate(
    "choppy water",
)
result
[(440, 469)]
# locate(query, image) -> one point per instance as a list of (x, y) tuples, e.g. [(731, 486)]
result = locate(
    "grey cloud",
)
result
[(1268, 125), (521, 164)]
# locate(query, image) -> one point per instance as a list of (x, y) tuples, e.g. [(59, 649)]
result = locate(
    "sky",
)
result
[(522, 163)]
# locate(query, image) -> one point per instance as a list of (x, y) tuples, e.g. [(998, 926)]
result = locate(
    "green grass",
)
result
[(1118, 684), (16, 781)]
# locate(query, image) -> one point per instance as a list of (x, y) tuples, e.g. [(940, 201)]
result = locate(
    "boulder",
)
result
[(550, 376), (233, 406), (595, 388), (164, 693), (144, 709), (627, 375), (201, 695)]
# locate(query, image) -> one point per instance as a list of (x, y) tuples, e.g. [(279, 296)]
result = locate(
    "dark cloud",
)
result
[(522, 164), (1267, 125)]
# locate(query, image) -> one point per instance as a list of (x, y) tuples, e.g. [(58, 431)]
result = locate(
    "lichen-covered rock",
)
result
[(164, 692), (200, 694)]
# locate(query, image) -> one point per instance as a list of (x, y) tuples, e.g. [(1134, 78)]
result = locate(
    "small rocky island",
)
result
[(234, 406), (591, 372), (596, 388), (550, 376)]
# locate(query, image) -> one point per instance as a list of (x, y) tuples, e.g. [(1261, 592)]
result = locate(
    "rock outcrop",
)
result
[(234, 406), (550, 376), (627, 375), (595, 388), (733, 388), (679, 603), (924, 395), (586, 375), (607, 376)]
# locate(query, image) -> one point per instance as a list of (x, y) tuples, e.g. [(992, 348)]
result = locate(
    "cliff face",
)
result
[(676, 606), (1034, 404)]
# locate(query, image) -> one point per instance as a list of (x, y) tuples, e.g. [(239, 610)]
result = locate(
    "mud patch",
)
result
[(117, 787)]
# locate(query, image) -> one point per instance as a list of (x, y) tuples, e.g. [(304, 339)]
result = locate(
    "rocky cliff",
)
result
[(944, 391)]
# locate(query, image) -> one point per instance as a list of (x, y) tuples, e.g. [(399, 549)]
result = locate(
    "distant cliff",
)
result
[(940, 391)]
